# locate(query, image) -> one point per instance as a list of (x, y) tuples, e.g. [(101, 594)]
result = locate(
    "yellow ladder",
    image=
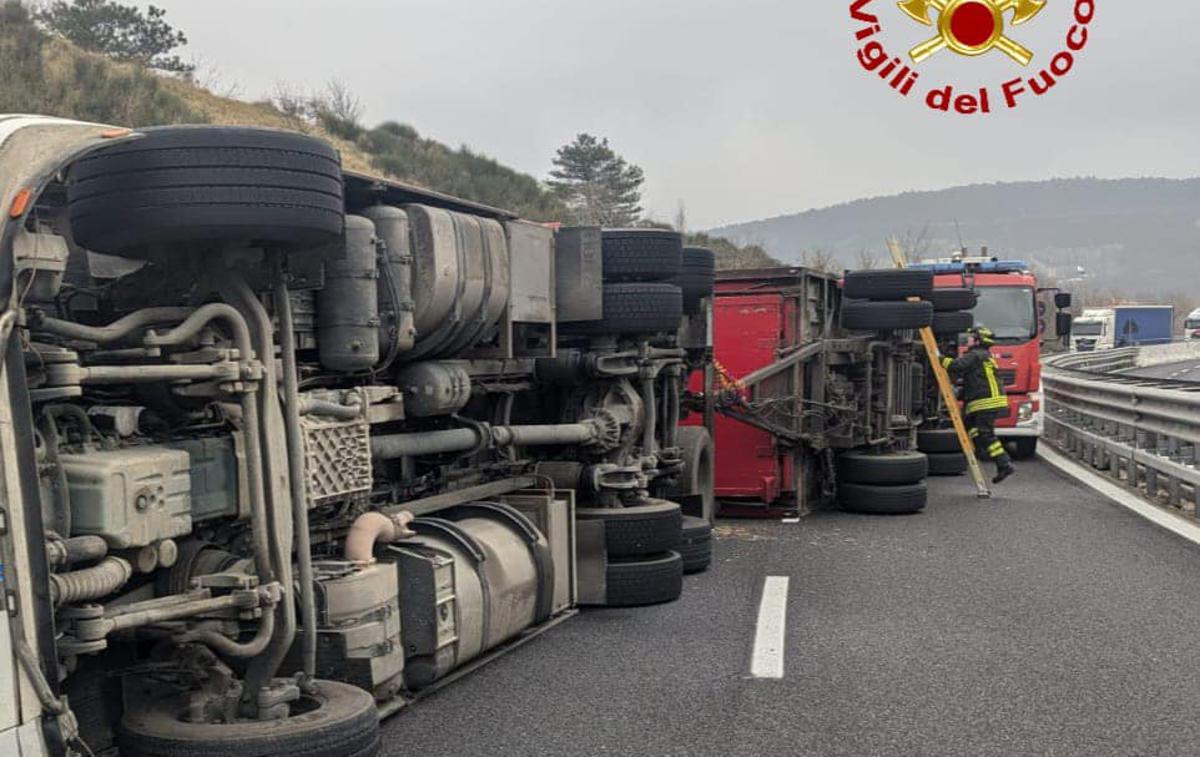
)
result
[(946, 388)]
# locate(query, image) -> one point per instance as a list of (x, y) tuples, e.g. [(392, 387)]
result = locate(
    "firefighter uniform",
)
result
[(985, 399)]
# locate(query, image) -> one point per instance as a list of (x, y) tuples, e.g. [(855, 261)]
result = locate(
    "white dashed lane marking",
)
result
[(767, 660)]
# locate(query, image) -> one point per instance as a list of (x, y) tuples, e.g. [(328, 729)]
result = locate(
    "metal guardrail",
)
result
[(1144, 433)]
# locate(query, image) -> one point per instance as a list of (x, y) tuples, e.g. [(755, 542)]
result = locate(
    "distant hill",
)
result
[(1138, 237)]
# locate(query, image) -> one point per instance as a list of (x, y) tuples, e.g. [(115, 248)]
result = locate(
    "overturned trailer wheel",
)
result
[(943, 440), (641, 254), (333, 720), (648, 529), (697, 277), (871, 499), (886, 316), (641, 581), (947, 463), (635, 309), (204, 184), (951, 324), (950, 300), (887, 285), (886, 470)]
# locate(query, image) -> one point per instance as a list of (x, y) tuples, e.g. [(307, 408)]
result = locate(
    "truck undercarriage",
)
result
[(285, 447)]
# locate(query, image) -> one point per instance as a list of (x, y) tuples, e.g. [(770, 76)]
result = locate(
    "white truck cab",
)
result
[(1093, 330), (1191, 327)]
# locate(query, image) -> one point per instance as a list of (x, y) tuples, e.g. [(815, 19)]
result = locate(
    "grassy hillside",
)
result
[(42, 74), (1138, 237)]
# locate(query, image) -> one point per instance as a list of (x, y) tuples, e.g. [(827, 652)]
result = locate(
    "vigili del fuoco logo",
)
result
[(970, 28)]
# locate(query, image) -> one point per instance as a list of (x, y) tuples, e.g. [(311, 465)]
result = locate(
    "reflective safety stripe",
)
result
[(985, 405), (974, 433), (947, 362), (989, 370), (996, 450)]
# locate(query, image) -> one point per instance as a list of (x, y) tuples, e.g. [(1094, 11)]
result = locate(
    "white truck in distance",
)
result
[(1122, 326), (1191, 327)]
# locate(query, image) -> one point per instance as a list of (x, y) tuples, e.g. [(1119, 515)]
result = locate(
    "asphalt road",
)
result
[(1045, 622), (1187, 371)]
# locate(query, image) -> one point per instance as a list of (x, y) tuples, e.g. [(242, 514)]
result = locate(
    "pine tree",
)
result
[(122, 32), (598, 186)]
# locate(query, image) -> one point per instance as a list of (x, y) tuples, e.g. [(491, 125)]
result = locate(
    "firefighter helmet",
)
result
[(984, 335)]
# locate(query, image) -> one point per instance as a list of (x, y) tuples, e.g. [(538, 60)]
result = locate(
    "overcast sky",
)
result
[(739, 109)]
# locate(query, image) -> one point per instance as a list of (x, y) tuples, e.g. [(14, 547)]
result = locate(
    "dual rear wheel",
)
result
[(890, 483)]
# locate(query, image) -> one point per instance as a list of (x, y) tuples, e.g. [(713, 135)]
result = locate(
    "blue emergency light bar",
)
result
[(990, 266)]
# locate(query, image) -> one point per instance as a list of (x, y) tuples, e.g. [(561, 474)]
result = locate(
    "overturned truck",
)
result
[(284, 446)]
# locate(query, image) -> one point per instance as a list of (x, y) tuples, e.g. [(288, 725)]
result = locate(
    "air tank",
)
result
[(348, 305), (397, 330)]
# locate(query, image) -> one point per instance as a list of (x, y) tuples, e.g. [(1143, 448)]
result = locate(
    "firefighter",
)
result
[(985, 399)]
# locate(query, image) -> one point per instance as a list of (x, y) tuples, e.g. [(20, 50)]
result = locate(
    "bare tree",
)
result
[(681, 218), (295, 106), (339, 102), (819, 260), (207, 75), (867, 261), (916, 244)]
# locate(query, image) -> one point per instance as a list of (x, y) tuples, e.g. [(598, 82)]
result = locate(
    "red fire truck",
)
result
[(1009, 306)]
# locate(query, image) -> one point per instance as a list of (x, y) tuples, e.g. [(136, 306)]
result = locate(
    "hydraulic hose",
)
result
[(204, 315), (77, 549), (277, 493), (115, 331), (90, 583), (240, 331), (226, 646), (297, 474)]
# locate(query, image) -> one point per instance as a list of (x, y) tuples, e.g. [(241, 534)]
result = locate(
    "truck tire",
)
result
[(949, 300), (642, 581), (339, 720), (1025, 448), (635, 309), (947, 463), (938, 440), (697, 478), (649, 529), (952, 323), (697, 277), (891, 469), (861, 315), (641, 254), (184, 184), (870, 499), (696, 545), (888, 285)]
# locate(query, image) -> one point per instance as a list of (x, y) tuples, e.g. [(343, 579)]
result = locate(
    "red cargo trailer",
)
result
[(792, 388)]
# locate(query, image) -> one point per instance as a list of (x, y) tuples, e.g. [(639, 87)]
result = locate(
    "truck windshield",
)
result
[(1192, 323), (1010, 313), (1088, 328)]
